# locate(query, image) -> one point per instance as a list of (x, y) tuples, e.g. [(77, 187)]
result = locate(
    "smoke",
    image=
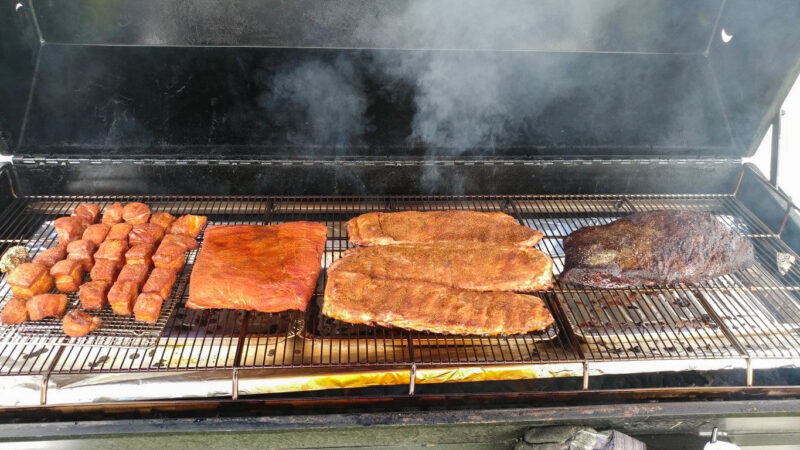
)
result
[(317, 102)]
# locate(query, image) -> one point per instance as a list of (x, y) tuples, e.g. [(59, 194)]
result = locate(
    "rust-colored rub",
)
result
[(261, 268), (411, 227), (357, 298)]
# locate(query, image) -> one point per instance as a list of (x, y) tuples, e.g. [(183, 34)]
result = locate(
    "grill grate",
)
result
[(754, 313)]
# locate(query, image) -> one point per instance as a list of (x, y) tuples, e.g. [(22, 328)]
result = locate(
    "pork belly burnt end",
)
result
[(188, 225), (112, 250), (87, 213), (164, 219), (186, 242), (169, 256), (135, 213), (160, 282), (112, 214), (94, 295), (104, 270), (68, 229), (122, 296), (79, 323), (148, 307), (96, 233), (47, 305), (136, 273), (15, 311), (30, 279), (119, 232), (145, 233), (51, 255), (140, 254), (82, 251), (68, 274)]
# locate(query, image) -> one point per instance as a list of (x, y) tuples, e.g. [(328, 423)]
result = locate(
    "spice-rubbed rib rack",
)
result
[(748, 319)]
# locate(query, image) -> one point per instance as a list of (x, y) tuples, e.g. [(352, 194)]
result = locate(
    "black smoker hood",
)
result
[(394, 79)]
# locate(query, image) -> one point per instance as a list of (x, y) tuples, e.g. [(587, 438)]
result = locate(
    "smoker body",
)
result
[(263, 113)]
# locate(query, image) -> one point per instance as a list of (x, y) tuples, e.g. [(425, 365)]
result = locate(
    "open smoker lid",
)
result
[(451, 78)]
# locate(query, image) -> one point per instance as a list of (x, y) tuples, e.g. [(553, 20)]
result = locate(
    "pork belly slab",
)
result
[(414, 227), (416, 305), (478, 267), (261, 268)]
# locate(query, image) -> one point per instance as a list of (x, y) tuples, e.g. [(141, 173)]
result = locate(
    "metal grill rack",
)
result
[(750, 315)]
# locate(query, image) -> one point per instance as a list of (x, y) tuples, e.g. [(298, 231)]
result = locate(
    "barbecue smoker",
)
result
[(560, 114)]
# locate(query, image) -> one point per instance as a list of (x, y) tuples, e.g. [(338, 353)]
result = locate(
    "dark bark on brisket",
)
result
[(654, 248)]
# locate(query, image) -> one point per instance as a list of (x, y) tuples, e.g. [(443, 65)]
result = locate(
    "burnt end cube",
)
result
[(15, 311), (140, 254), (46, 305), (113, 250), (96, 233), (94, 295), (119, 232), (136, 273), (146, 233), (87, 213), (68, 229), (188, 225), (188, 243), (164, 219), (68, 274), (112, 214), (148, 307), (82, 251), (104, 270), (30, 279), (169, 256), (160, 282), (51, 255), (135, 213), (122, 296)]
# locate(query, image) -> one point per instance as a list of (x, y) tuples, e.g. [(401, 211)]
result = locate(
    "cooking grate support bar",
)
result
[(206, 340)]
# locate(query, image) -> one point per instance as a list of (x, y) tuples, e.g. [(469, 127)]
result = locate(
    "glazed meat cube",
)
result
[(51, 256), (160, 282), (140, 254), (82, 251), (134, 272), (15, 311), (68, 275), (94, 295), (164, 219), (146, 233), (169, 256), (135, 213), (112, 214), (148, 307), (30, 279), (104, 270), (87, 213), (80, 323), (119, 232), (178, 239), (68, 229), (188, 225), (112, 250), (96, 233), (47, 305), (122, 296)]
